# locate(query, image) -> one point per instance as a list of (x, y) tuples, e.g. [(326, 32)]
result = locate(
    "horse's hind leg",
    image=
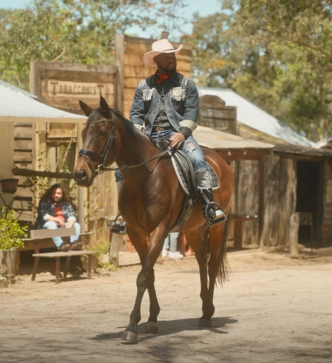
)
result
[(199, 242), (207, 245), (216, 268)]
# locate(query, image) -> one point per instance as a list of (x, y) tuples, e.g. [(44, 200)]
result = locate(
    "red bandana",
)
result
[(162, 78)]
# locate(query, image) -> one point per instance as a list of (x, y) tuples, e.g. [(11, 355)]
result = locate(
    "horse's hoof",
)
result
[(151, 328), (130, 337), (205, 323)]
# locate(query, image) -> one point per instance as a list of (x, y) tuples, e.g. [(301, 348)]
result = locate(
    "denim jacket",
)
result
[(181, 101)]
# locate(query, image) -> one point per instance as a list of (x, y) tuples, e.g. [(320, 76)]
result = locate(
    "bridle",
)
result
[(101, 158)]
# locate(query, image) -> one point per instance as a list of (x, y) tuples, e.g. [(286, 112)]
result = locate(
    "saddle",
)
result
[(186, 176)]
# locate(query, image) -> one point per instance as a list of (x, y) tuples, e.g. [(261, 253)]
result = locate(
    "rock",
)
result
[(3, 282)]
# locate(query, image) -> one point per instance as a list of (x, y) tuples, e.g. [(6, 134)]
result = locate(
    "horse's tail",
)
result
[(223, 266)]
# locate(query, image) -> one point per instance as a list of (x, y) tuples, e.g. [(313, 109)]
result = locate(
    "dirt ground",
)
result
[(272, 309)]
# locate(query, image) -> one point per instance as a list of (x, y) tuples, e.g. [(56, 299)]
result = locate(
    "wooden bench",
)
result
[(34, 244), (38, 234)]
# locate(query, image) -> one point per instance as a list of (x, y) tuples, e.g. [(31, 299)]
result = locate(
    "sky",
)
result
[(204, 7)]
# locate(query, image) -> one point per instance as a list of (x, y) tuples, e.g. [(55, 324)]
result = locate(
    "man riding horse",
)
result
[(166, 103)]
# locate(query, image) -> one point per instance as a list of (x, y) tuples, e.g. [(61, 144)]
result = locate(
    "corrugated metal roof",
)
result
[(218, 140), (252, 116), (324, 143), (17, 106), (13, 88)]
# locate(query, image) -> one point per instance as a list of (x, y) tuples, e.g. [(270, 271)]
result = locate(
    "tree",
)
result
[(78, 31), (276, 54)]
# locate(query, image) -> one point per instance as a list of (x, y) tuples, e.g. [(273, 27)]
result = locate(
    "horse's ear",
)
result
[(105, 110), (85, 108)]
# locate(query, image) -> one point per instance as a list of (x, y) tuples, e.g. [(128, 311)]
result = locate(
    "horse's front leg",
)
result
[(151, 326), (145, 280)]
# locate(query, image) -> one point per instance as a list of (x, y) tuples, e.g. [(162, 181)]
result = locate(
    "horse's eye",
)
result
[(102, 133)]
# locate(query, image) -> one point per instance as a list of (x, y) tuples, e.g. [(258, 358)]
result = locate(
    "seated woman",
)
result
[(56, 211)]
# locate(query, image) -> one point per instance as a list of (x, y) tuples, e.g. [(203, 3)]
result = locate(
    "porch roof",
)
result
[(218, 140), (17, 105)]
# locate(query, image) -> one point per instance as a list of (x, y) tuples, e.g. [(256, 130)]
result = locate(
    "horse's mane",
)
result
[(126, 123), (95, 114)]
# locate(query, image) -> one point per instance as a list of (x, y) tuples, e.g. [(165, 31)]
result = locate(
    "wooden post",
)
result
[(34, 270), (164, 34), (80, 190), (287, 198), (238, 234), (119, 63), (115, 248), (261, 200), (89, 266), (67, 266), (57, 270), (294, 235)]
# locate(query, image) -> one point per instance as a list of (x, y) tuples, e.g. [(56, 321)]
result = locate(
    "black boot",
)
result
[(116, 227), (211, 210)]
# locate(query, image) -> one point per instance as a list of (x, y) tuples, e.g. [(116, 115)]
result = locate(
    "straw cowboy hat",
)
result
[(159, 47)]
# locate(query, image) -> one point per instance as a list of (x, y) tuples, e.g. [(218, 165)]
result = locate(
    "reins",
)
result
[(126, 167), (102, 158)]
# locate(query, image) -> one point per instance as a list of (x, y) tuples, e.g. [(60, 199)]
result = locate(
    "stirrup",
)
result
[(219, 215), (119, 228)]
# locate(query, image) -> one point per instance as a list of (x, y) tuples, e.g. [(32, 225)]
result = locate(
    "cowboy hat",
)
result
[(159, 47)]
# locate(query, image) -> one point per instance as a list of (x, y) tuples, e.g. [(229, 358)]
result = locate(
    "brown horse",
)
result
[(150, 201)]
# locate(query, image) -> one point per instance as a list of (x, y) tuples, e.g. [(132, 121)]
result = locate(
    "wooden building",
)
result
[(297, 179), (271, 178), (214, 113), (19, 113)]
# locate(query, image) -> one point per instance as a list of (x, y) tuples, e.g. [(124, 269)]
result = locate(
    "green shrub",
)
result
[(11, 232)]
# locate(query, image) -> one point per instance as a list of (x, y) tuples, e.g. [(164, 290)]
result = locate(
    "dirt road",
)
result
[(272, 309)]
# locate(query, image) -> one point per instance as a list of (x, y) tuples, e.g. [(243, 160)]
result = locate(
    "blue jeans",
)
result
[(195, 154), (171, 241), (58, 240)]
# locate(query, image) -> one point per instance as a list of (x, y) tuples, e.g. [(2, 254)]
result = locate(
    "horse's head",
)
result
[(98, 143)]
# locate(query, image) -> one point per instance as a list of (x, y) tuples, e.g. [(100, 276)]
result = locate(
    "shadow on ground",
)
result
[(170, 327)]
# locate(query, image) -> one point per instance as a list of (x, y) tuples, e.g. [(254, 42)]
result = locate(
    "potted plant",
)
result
[(9, 185), (11, 234)]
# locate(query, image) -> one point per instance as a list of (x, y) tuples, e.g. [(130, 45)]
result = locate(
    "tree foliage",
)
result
[(78, 31), (275, 53)]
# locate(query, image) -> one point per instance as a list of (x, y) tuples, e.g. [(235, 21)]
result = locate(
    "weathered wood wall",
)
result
[(287, 198), (279, 199), (62, 85), (246, 198), (7, 158), (16, 149), (129, 53), (24, 153), (271, 198), (214, 113), (326, 228)]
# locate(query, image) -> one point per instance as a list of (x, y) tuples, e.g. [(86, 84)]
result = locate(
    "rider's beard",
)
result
[(168, 71)]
